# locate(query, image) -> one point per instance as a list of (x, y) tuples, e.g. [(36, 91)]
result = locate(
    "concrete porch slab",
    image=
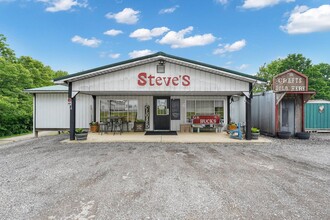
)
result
[(205, 137)]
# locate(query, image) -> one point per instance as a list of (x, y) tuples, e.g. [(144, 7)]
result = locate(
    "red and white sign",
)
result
[(206, 119), (151, 80)]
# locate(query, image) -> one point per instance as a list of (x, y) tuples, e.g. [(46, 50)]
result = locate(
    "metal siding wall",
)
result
[(52, 111), (126, 80), (263, 112), (84, 110), (237, 110), (314, 120)]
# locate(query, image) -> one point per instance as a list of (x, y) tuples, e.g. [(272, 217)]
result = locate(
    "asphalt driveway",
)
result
[(45, 179)]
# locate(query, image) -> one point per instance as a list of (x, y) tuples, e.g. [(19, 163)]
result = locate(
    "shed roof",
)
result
[(48, 89), (151, 58)]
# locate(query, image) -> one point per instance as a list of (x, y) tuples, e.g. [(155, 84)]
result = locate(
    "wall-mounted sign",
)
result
[(290, 81), (175, 109), (145, 79)]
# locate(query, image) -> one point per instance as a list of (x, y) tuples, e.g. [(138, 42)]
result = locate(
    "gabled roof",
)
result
[(152, 58), (48, 89)]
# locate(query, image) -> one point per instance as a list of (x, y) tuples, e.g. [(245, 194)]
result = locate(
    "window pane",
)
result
[(105, 110), (218, 108), (205, 107), (132, 110), (190, 110), (162, 107)]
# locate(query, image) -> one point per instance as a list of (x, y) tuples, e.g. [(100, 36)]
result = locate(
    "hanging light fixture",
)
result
[(161, 66)]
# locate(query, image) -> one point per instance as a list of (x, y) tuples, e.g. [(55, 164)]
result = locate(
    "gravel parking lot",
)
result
[(45, 179)]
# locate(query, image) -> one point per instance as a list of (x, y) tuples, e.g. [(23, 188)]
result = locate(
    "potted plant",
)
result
[(94, 126), (232, 126), (81, 134), (139, 125), (255, 133)]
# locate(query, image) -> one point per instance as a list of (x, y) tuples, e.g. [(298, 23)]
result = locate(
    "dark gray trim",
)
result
[(72, 113), (94, 107), (248, 135), (228, 109)]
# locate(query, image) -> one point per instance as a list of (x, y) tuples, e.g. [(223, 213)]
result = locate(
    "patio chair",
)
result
[(236, 131), (117, 125)]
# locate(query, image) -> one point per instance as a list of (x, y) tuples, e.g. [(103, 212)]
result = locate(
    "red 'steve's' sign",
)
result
[(151, 80)]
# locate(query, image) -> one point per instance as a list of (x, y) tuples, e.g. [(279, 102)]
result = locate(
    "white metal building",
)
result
[(164, 90)]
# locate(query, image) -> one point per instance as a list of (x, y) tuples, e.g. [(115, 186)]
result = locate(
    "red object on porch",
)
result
[(206, 119)]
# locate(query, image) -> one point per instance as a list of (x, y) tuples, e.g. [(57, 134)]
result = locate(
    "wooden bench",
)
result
[(203, 121)]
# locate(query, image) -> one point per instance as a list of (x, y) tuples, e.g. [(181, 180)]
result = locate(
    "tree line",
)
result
[(17, 74)]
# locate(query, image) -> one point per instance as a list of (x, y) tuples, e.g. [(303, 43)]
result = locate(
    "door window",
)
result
[(162, 107)]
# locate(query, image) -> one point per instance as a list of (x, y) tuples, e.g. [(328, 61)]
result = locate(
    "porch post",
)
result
[(248, 135), (228, 109), (72, 113), (94, 108)]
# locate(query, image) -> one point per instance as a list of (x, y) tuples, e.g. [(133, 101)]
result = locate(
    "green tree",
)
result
[(15, 105), (17, 74), (5, 51)]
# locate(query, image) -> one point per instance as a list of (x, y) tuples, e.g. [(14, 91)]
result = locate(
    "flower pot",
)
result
[(284, 134), (94, 128), (303, 135), (255, 136), (232, 127), (139, 126), (81, 136)]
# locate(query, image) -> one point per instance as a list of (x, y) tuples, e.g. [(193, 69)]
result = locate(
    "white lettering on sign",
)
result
[(290, 81)]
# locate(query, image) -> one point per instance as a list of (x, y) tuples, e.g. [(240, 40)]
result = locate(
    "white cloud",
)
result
[(113, 32), (305, 20), (63, 5), (227, 48), (223, 2), (126, 16), (243, 66), (168, 10), (93, 42), (140, 53), (178, 40), (258, 4), (114, 55), (146, 34)]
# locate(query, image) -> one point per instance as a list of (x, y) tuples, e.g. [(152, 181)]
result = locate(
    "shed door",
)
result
[(288, 118)]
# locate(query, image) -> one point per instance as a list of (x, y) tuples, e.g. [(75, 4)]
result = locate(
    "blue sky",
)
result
[(242, 35)]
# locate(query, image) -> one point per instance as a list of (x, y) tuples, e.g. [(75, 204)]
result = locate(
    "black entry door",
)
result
[(162, 113)]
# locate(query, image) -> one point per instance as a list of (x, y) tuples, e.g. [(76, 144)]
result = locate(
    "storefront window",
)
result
[(126, 109), (204, 107)]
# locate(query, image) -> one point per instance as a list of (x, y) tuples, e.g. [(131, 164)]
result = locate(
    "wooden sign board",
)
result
[(290, 81)]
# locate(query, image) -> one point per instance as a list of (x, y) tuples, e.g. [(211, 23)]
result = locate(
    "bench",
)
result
[(210, 121)]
